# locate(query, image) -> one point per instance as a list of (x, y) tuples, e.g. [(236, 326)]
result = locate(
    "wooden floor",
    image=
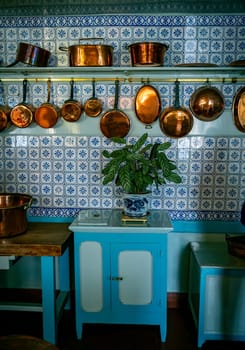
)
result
[(181, 333)]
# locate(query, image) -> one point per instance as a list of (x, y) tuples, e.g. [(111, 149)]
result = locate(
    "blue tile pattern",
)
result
[(63, 178), (62, 172)]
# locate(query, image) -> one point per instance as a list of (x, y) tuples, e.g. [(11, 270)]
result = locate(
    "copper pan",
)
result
[(147, 104), (22, 114), (207, 103), (238, 109), (47, 114), (176, 121), (4, 115), (93, 106), (72, 109), (115, 123)]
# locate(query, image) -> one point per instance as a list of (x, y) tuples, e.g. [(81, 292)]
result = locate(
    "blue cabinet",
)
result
[(216, 292), (120, 269)]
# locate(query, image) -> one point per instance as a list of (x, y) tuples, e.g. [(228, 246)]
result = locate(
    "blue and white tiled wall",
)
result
[(62, 170)]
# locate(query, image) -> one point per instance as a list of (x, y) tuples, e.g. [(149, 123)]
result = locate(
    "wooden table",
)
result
[(47, 240)]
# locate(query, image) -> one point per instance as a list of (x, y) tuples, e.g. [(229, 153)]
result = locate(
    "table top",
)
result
[(110, 220), (40, 239), (215, 255)]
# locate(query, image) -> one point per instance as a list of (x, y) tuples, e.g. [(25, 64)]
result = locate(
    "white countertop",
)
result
[(110, 220)]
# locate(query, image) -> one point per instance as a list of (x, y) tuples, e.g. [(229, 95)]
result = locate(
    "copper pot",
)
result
[(89, 55), (32, 55), (147, 53), (207, 103), (13, 206), (4, 116)]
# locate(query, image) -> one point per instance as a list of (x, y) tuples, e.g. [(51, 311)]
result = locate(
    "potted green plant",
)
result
[(136, 168)]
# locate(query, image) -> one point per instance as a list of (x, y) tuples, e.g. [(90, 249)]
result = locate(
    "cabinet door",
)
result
[(91, 276), (132, 277)]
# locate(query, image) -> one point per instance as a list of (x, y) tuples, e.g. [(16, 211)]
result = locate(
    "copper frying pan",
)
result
[(147, 104), (72, 109), (93, 106), (22, 114), (176, 121), (47, 114), (115, 123), (238, 109), (207, 103), (4, 113)]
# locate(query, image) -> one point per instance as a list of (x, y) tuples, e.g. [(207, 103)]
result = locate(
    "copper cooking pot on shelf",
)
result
[(147, 54), (32, 55), (89, 55)]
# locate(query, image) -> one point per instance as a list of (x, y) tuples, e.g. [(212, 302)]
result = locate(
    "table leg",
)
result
[(49, 298)]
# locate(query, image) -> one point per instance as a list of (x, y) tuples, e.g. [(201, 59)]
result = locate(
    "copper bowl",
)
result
[(13, 220), (147, 54)]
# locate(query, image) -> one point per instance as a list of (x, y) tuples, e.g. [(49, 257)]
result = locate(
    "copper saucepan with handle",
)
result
[(176, 121), (115, 123), (47, 114), (207, 103), (4, 112), (32, 55), (72, 109), (93, 106), (22, 114)]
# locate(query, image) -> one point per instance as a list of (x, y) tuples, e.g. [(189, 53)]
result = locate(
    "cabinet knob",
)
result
[(116, 278)]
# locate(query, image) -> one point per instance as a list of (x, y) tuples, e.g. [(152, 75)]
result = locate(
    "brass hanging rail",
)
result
[(232, 80)]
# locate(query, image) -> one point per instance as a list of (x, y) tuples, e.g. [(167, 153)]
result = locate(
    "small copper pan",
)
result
[(176, 121), (115, 123), (47, 114), (93, 106), (147, 104), (22, 114), (72, 109)]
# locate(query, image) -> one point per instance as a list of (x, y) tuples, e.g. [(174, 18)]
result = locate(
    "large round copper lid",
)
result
[(147, 104), (207, 103), (238, 109)]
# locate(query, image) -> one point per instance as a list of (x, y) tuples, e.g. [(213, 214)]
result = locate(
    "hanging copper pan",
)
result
[(207, 103), (47, 114), (147, 104), (93, 106), (72, 109), (238, 109), (115, 123), (4, 115), (22, 114), (176, 121)]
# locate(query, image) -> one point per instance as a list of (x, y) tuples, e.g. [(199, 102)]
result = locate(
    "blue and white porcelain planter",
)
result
[(135, 205)]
